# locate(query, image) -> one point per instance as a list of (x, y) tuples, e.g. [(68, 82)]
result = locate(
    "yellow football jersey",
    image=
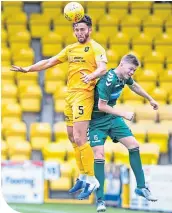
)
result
[(82, 57)]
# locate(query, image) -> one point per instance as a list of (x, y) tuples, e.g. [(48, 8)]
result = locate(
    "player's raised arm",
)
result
[(39, 66), (103, 106), (135, 87)]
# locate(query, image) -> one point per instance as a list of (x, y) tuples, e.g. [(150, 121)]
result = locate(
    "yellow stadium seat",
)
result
[(147, 86), (11, 110), (21, 19), (132, 31), (108, 149), (52, 38), (159, 135), (50, 85), (16, 129), (147, 76), (51, 12), (165, 112), (100, 38), (131, 20), (60, 93), (160, 95), (63, 183), (164, 49), (167, 86), (141, 12), (30, 98), (70, 40), (162, 10), (14, 28), (166, 76), (112, 64), (12, 4), (6, 74), (149, 154), (153, 21), (40, 135), (64, 29), (129, 95), (59, 105), (145, 112), (20, 39), (12, 11), (96, 13), (20, 151), (4, 150), (121, 155), (154, 57), (51, 4), (3, 36), (24, 55), (119, 13), (5, 54), (112, 55), (167, 124), (54, 152), (94, 4), (119, 38), (145, 4), (30, 77), (139, 132), (9, 92), (49, 50), (107, 25), (39, 25), (60, 131)]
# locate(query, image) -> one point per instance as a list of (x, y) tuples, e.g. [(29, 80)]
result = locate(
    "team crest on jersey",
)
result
[(86, 49)]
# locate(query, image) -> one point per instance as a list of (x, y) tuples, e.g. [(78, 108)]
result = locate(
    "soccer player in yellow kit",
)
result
[(87, 61)]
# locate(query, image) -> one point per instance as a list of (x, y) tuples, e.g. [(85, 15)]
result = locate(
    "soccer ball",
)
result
[(74, 12)]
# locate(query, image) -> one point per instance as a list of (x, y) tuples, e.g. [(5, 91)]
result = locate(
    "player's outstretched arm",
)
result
[(39, 66), (135, 87), (103, 106)]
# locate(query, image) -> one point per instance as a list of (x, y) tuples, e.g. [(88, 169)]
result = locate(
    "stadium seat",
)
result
[(59, 105), (51, 44), (119, 13), (40, 135), (5, 54), (147, 86), (62, 184), (100, 38), (147, 76), (9, 93), (7, 75), (108, 25), (96, 13), (131, 20), (27, 78), (111, 65), (30, 94), (16, 129), (4, 150), (39, 25), (165, 112), (129, 95), (141, 12), (54, 152), (146, 112), (139, 132), (60, 131), (24, 55), (52, 85), (60, 93), (131, 30), (153, 21), (20, 151), (167, 124), (149, 154), (147, 5), (20, 19), (160, 95), (108, 149), (3, 36), (11, 110), (154, 57), (112, 56), (167, 86), (159, 135), (162, 10), (121, 155)]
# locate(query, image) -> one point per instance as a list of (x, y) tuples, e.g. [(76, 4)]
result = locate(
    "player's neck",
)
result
[(118, 73)]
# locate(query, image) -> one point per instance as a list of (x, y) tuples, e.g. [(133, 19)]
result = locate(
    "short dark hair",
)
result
[(132, 59), (86, 19)]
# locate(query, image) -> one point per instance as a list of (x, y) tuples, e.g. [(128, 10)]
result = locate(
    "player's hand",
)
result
[(129, 116), (86, 78), (20, 69), (154, 104)]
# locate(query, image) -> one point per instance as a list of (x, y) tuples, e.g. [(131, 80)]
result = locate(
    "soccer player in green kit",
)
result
[(108, 121)]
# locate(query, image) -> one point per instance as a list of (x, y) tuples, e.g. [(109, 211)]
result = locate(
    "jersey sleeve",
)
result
[(63, 56), (130, 81), (105, 87), (100, 53)]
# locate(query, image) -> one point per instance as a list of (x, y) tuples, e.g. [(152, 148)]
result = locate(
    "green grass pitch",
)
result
[(65, 208)]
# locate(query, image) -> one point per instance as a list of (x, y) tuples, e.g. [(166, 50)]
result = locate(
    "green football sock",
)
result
[(136, 165), (100, 175)]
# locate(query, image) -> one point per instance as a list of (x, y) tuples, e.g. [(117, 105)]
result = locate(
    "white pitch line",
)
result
[(32, 209)]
